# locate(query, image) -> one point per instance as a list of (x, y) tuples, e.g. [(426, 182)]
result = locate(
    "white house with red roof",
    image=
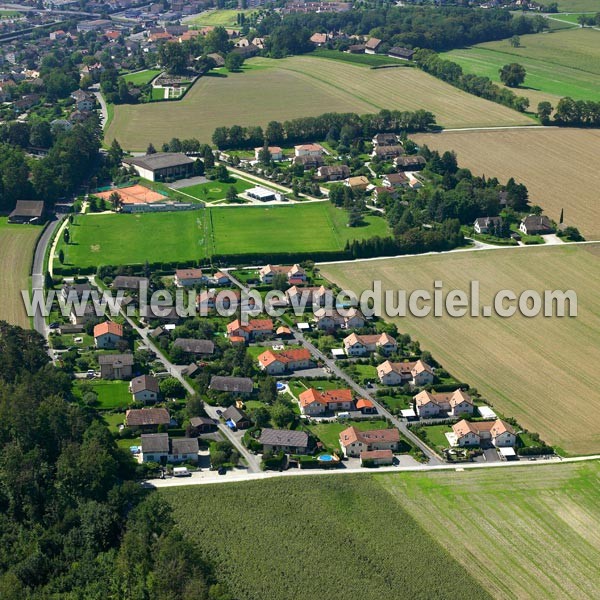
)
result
[(452, 404), (354, 441), (362, 345), (398, 373), (498, 432), (316, 403), (189, 277), (108, 334), (284, 361)]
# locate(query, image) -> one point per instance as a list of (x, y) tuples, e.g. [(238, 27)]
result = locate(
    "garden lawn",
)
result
[(329, 433), (111, 394), (215, 190), (367, 60), (436, 435), (222, 18), (141, 77)]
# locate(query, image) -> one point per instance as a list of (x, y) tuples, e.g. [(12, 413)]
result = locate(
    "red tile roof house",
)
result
[(450, 404), (315, 150), (189, 277), (376, 458), (331, 320), (147, 419), (498, 432), (354, 441), (395, 180), (366, 406), (372, 45), (108, 334), (314, 296), (398, 373), (315, 403), (255, 329), (275, 151), (362, 345), (285, 361), (295, 274), (144, 389)]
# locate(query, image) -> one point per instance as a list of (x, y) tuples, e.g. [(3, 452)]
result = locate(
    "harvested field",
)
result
[(533, 369), (134, 194), (560, 167), (17, 244), (299, 86)]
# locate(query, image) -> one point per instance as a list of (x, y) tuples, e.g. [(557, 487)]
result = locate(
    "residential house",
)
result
[(159, 448), (366, 406), (387, 152), (255, 329), (84, 102), (309, 161), (309, 150), (28, 211), (402, 53), (372, 45), (129, 283), (200, 425), (330, 320), (385, 139), (398, 373), (359, 182), (395, 180), (499, 433), (354, 441), (410, 163), (147, 419), (192, 346), (219, 60), (487, 224), (376, 458), (333, 173), (319, 39), (295, 274), (536, 225), (108, 334), (378, 193), (236, 386), (115, 366), (82, 315), (316, 403), (275, 151), (189, 277), (161, 165), (308, 296), (356, 49), (219, 278), (285, 361), (238, 417), (144, 388), (362, 345), (452, 404), (284, 440)]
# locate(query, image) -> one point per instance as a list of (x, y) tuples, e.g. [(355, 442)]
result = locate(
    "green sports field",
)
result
[(526, 532), (215, 18), (141, 77), (558, 64), (113, 239), (214, 190)]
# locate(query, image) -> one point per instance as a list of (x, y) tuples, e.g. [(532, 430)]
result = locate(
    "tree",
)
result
[(222, 173), (260, 416), (150, 149), (264, 155), (116, 200), (66, 235), (172, 388), (282, 415), (515, 41), (231, 194), (234, 62), (562, 215), (267, 390), (280, 282), (544, 110), (61, 257), (512, 75), (48, 281)]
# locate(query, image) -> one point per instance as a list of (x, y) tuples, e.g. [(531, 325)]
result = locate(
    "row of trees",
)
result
[(452, 73), (318, 128), (570, 113)]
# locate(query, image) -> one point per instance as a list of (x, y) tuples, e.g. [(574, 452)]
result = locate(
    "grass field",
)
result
[(532, 369), (579, 6), (17, 244), (215, 18), (528, 532), (317, 537), (556, 165), (184, 236), (329, 433), (299, 86), (141, 77), (367, 60), (562, 63), (111, 394), (215, 190)]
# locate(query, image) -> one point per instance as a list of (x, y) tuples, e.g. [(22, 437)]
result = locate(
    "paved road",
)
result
[(433, 458), (252, 460), (103, 109), (37, 272)]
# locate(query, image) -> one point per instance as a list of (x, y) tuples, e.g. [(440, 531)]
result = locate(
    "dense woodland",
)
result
[(73, 522)]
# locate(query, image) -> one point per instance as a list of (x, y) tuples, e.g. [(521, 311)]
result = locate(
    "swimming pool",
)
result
[(325, 458)]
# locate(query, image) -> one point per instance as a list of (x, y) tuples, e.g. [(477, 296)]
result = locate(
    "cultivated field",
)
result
[(215, 18), (522, 533), (294, 87), (185, 236), (560, 167), (533, 369), (17, 243), (317, 537), (562, 63), (592, 6)]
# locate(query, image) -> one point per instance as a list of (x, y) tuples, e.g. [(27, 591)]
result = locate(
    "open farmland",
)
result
[(563, 63), (192, 235), (528, 368), (17, 243), (216, 18), (299, 86), (560, 167), (592, 6), (317, 537), (522, 533)]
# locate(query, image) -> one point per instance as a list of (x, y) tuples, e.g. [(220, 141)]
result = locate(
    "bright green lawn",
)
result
[(563, 63), (367, 60), (224, 18), (436, 435), (215, 190), (111, 394), (578, 6), (113, 239), (329, 433), (141, 77)]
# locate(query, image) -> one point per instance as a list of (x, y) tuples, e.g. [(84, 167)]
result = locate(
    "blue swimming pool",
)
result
[(325, 458)]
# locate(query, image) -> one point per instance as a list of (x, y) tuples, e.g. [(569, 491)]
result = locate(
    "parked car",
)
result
[(222, 471), (54, 325), (219, 412)]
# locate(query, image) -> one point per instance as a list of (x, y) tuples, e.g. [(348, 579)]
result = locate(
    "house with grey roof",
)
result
[(284, 440)]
